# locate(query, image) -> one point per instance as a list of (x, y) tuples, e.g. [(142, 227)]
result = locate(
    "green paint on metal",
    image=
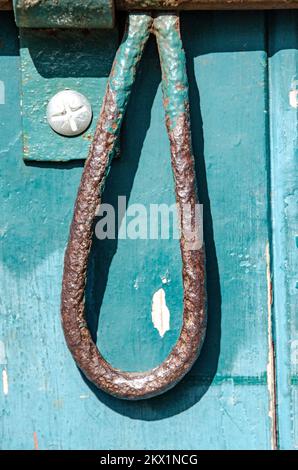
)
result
[(173, 66), (64, 13), (126, 60), (50, 62)]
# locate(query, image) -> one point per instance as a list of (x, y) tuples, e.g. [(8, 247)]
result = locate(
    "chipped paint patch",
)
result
[(84, 396), (165, 278), (293, 98), (2, 92), (5, 381), (293, 94), (271, 364), (3, 358), (160, 313)]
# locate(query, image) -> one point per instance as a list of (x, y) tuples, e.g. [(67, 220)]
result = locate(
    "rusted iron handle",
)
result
[(122, 384)]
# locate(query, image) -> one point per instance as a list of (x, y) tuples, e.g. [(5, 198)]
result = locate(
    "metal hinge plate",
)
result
[(51, 61), (64, 13)]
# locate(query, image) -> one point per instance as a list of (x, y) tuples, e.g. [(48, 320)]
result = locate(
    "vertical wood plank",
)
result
[(283, 49)]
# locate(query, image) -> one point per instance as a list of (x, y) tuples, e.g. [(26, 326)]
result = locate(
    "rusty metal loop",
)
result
[(137, 385)]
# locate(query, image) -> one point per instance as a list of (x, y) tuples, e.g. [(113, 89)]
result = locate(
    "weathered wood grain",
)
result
[(283, 88)]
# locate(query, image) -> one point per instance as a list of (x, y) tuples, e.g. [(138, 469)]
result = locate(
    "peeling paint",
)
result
[(160, 313), (84, 396), (5, 381), (293, 94), (245, 264), (165, 278), (293, 98), (3, 358), (2, 92)]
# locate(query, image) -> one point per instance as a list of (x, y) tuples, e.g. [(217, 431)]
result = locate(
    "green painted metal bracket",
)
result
[(64, 13), (52, 60)]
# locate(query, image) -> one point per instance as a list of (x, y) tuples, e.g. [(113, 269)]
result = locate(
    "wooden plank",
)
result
[(224, 403), (284, 143)]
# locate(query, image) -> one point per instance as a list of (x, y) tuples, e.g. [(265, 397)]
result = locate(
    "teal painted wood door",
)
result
[(242, 392)]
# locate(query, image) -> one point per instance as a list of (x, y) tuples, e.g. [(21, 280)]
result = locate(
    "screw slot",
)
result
[(69, 113)]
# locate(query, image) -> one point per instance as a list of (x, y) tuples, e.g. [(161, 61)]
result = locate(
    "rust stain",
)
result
[(87, 137), (271, 372), (35, 440)]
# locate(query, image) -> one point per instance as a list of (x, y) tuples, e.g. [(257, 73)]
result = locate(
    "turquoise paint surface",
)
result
[(223, 403), (284, 150), (139, 267)]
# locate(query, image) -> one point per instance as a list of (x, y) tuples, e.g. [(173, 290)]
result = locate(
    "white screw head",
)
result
[(69, 113)]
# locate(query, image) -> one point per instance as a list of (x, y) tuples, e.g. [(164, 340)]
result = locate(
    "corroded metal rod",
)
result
[(191, 4), (137, 385)]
